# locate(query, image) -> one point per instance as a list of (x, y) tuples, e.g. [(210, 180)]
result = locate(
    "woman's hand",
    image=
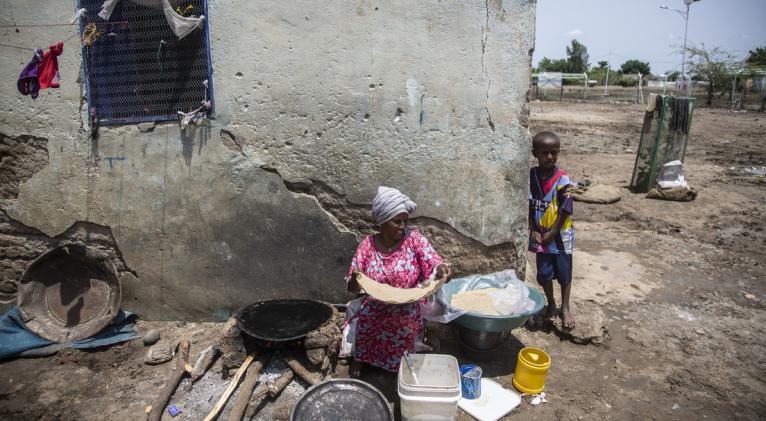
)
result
[(443, 271), (352, 285)]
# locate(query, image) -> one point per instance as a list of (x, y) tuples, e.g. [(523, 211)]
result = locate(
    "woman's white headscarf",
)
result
[(390, 202)]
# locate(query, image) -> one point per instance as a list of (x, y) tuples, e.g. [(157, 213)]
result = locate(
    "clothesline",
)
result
[(28, 48), (122, 22), (38, 24)]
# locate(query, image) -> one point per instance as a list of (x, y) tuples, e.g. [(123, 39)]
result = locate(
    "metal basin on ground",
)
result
[(477, 339), (342, 400), (69, 293), (487, 323)]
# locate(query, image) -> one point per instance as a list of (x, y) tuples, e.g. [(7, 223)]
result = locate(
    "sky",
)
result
[(639, 29)]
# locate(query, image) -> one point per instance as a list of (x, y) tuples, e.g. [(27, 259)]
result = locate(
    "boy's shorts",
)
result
[(551, 266)]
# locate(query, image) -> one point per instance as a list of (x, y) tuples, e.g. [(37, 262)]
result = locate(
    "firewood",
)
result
[(182, 363), (229, 390), (256, 399), (204, 361), (251, 379), (280, 383), (273, 390), (301, 371)]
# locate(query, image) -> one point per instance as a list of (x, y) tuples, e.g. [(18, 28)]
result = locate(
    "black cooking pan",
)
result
[(275, 321)]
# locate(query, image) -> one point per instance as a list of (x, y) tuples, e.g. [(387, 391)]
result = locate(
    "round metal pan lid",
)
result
[(69, 293), (342, 400), (283, 320)]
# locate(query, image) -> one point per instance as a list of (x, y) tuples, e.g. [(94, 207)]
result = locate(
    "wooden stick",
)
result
[(204, 361), (258, 396), (301, 371), (182, 362), (229, 390), (251, 378), (281, 411), (273, 390), (280, 383)]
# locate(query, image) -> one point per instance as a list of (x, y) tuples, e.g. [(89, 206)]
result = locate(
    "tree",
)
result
[(712, 65), (635, 66), (577, 58), (603, 64), (672, 76), (757, 57), (548, 65)]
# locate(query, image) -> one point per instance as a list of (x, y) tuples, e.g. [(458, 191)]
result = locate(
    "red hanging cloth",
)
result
[(49, 67)]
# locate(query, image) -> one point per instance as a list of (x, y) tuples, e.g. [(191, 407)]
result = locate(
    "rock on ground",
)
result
[(151, 337), (159, 353)]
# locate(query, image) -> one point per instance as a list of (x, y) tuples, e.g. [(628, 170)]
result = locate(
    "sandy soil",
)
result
[(669, 298)]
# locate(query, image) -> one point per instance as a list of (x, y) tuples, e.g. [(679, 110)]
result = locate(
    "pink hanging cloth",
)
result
[(49, 67)]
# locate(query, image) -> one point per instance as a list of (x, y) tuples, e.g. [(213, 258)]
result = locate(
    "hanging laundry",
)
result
[(29, 82), (79, 13), (651, 103), (90, 34), (109, 5), (49, 67), (659, 105), (180, 25), (679, 115), (194, 116), (107, 8)]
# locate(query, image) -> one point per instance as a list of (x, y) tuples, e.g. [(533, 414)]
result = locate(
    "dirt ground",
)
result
[(669, 298)]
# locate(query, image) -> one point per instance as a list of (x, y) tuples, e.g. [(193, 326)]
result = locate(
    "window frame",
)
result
[(157, 118)]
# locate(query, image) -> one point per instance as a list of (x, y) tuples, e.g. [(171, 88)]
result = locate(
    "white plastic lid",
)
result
[(435, 372)]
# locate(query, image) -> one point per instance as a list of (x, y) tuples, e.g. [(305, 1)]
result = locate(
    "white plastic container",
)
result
[(436, 395)]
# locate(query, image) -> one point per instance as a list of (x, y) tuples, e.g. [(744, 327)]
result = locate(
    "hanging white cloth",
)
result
[(77, 15), (195, 116), (107, 8), (180, 25)]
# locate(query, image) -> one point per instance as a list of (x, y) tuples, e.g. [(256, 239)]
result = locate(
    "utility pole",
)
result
[(683, 60), (608, 69), (685, 15)]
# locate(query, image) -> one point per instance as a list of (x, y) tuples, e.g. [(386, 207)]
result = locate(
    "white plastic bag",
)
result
[(438, 308), (513, 299), (349, 327), (672, 175)]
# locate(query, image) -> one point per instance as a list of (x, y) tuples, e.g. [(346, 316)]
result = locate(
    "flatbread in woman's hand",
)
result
[(393, 295)]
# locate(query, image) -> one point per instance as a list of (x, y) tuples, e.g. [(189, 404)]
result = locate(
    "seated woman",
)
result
[(398, 257)]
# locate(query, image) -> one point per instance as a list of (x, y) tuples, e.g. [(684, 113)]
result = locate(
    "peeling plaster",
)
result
[(220, 217)]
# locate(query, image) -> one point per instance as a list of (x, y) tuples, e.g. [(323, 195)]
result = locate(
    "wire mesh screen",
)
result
[(137, 69), (661, 142)]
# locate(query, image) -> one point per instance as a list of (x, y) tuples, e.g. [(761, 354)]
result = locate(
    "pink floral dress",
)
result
[(385, 331)]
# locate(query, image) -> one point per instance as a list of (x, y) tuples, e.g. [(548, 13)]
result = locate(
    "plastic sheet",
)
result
[(514, 297), (672, 175), (349, 327)]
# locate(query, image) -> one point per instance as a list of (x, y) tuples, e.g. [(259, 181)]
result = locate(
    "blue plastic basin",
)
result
[(486, 323)]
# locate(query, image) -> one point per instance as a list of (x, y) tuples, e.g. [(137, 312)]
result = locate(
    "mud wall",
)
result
[(317, 104)]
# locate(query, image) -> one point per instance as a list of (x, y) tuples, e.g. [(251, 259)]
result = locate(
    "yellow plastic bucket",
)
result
[(531, 368)]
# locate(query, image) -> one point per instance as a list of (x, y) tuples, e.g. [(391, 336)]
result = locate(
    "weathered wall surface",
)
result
[(317, 104)]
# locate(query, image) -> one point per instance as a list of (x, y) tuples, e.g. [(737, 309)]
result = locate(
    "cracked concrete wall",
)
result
[(317, 104)]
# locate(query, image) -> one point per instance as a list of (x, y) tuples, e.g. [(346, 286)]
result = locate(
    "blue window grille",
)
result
[(138, 70)]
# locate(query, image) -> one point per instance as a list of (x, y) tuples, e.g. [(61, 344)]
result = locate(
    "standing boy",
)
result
[(551, 234)]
